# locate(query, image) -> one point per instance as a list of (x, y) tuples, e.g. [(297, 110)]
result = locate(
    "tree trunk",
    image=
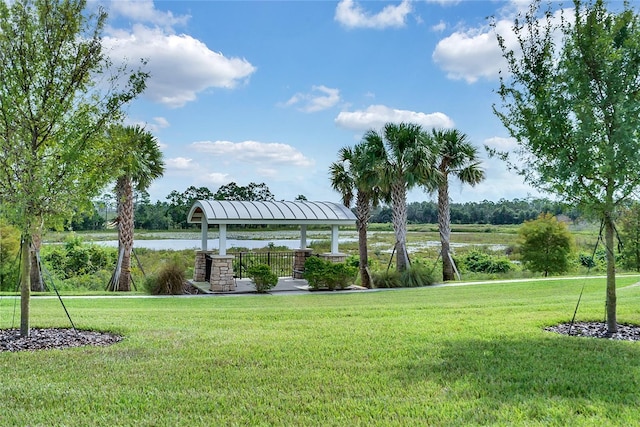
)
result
[(612, 322), (399, 218), (363, 212), (25, 285), (37, 284), (125, 235), (444, 225)]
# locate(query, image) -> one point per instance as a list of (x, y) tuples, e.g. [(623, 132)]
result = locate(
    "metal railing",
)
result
[(281, 263)]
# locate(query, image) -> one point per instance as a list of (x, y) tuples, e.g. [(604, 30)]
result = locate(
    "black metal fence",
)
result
[(281, 263)]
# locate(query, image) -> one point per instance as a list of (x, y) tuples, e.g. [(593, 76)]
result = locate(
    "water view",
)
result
[(180, 244)]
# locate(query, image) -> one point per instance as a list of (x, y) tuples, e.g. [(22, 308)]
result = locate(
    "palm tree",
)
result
[(140, 162), (458, 157), (348, 175), (402, 157)]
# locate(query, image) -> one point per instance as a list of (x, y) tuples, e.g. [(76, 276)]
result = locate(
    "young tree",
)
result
[(53, 113), (138, 161), (545, 245), (349, 175), (403, 156), (574, 108), (456, 156)]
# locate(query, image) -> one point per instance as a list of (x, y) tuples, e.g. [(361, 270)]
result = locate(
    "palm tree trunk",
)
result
[(444, 225), (363, 212), (125, 234), (399, 218)]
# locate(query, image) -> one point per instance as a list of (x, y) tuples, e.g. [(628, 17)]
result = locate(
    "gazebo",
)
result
[(225, 212)]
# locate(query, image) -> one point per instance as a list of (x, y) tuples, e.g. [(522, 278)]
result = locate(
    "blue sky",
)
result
[(269, 91)]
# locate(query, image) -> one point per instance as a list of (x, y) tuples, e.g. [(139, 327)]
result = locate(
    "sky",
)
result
[(269, 91)]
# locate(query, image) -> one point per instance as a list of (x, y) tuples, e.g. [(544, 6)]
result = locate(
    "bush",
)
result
[(76, 258), (169, 280), (9, 249), (387, 279), (479, 262), (262, 277), (324, 274)]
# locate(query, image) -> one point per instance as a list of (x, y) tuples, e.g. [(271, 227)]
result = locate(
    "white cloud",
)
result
[(180, 66), (501, 143), (350, 14), (145, 11), (180, 163), (217, 178), (376, 116), (439, 27), (320, 98), (470, 54), (161, 122), (473, 53), (254, 152)]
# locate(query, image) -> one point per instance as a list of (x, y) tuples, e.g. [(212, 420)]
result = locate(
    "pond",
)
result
[(181, 244)]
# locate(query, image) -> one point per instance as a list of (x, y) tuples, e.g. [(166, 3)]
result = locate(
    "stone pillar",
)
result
[(299, 258), (200, 270), (335, 258), (222, 273)]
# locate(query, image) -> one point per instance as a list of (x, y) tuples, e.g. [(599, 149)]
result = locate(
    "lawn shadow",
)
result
[(516, 372)]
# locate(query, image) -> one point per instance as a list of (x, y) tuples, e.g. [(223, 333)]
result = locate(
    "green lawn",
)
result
[(460, 355)]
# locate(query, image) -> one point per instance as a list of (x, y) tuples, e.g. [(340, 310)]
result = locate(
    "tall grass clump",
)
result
[(386, 279), (168, 281), (416, 276)]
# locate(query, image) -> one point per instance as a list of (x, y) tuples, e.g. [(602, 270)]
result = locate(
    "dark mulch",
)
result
[(50, 338), (54, 338), (189, 289), (597, 330)]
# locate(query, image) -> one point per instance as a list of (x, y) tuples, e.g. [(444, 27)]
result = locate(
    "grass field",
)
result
[(444, 356)]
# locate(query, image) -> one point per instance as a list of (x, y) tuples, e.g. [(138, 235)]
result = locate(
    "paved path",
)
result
[(289, 286)]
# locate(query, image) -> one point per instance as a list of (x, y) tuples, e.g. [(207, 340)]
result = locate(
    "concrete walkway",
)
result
[(244, 286), (286, 285)]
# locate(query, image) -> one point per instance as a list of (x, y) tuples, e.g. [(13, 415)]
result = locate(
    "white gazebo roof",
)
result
[(240, 212), (303, 213)]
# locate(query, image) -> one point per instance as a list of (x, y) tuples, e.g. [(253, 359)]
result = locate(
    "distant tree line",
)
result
[(172, 213), (502, 212)]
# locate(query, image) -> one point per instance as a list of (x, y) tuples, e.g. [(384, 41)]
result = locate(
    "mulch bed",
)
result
[(597, 330), (54, 338)]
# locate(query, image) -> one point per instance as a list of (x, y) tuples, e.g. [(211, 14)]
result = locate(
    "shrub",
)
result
[(387, 279), (9, 249), (262, 277), (169, 280), (76, 258), (324, 274), (480, 262)]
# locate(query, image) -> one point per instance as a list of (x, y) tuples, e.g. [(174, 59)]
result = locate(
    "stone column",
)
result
[(222, 273), (200, 270), (299, 258)]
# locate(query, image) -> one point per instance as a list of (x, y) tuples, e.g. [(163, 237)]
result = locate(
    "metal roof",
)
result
[(240, 212)]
